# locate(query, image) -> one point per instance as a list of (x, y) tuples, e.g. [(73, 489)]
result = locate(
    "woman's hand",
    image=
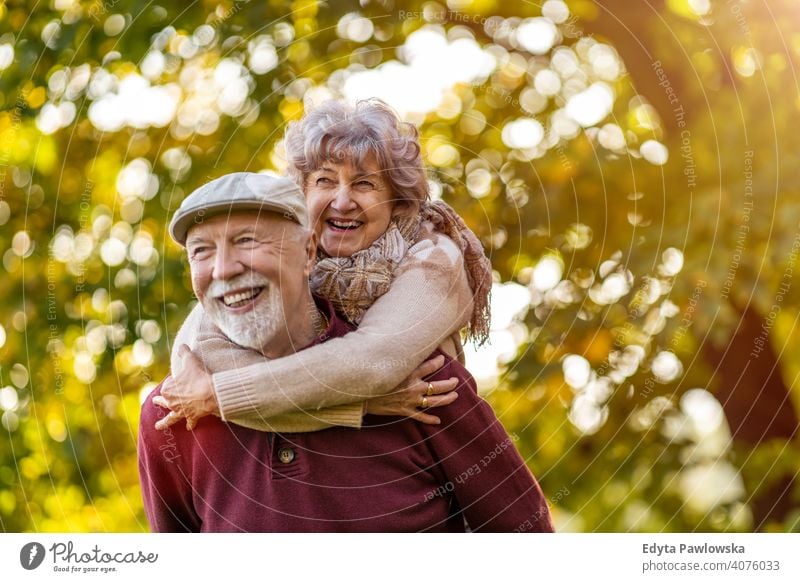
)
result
[(415, 393), (188, 394)]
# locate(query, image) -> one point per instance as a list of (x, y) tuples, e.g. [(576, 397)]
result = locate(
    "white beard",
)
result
[(256, 328)]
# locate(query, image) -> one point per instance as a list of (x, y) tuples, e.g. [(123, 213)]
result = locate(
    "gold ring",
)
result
[(429, 391), (424, 402)]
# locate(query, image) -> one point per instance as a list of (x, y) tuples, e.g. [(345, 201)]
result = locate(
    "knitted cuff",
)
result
[(235, 390), (349, 415)]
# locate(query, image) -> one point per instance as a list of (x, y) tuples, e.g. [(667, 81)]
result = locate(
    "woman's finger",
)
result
[(168, 420), (425, 418), (428, 367), (444, 400), (424, 401), (160, 401), (438, 387)]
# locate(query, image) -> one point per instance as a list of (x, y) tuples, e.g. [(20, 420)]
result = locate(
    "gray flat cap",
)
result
[(239, 191)]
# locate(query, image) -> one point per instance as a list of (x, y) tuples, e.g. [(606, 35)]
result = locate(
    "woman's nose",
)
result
[(343, 200)]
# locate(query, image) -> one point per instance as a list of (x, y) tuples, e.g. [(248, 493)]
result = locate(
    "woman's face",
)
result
[(349, 207)]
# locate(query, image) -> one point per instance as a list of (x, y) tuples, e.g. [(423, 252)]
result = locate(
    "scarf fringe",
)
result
[(479, 268)]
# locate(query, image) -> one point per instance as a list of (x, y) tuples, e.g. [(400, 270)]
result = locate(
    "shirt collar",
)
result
[(337, 326)]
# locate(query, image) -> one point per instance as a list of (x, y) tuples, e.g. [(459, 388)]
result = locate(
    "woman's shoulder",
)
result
[(434, 247)]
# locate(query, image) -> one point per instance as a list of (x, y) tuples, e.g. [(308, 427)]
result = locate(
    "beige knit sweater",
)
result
[(427, 304)]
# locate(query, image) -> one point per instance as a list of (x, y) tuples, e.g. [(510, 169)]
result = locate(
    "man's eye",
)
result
[(245, 240), (197, 252)]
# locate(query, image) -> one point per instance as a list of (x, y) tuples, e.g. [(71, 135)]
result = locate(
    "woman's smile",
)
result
[(343, 225), (350, 206)]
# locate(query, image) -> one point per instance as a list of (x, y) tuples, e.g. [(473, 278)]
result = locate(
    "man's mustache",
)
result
[(218, 288)]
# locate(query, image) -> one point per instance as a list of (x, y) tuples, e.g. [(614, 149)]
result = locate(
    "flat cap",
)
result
[(239, 191)]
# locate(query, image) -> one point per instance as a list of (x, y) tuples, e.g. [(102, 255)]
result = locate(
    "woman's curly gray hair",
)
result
[(339, 132)]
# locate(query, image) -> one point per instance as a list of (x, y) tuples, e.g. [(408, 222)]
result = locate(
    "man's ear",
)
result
[(311, 252)]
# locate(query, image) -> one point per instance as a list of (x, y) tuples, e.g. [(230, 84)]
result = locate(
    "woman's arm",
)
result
[(188, 334), (428, 301), (218, 353)]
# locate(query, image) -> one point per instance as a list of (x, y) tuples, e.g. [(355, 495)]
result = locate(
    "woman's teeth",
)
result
[(241, 297), (345, 224)]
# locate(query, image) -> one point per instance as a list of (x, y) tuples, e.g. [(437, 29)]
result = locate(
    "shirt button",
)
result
[(285, 455)]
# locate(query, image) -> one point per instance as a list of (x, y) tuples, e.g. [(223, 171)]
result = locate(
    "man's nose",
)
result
[(227, 264), (343, 199)]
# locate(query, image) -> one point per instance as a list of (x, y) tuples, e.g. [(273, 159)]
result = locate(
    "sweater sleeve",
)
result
[(495, 490), (219, 353), (166, 491), (428, 301), (187, 334)]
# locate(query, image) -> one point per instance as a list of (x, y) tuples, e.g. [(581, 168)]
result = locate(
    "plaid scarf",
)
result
[(354, 283)]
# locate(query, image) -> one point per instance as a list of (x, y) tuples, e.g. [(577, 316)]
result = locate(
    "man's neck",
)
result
[(303, 325)]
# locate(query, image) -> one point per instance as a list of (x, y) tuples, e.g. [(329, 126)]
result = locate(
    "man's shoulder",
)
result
[(150, 412)]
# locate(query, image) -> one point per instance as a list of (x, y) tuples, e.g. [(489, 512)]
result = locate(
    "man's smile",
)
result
[(240, 297)]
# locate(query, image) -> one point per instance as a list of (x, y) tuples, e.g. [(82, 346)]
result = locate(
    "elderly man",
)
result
[(250, 255)]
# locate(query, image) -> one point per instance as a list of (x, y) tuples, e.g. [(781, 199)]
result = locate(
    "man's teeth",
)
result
[(345, 223), (234, 298)]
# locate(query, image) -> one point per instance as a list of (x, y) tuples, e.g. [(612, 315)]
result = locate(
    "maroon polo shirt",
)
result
[(392, 475)]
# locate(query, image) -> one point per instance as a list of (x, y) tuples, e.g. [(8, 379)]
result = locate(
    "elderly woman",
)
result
[(407, 271)]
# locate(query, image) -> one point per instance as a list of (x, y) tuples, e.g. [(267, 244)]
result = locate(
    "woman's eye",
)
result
[(245, 240), (365, 184), (324, 180)]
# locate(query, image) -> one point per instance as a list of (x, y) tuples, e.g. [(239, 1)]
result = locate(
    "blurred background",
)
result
[(631, 168)]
